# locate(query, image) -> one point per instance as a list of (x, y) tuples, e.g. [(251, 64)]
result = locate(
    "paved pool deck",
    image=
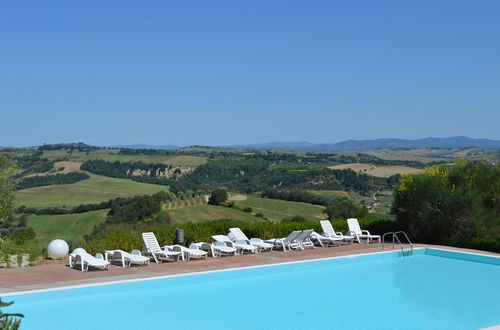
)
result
[(61, 275)]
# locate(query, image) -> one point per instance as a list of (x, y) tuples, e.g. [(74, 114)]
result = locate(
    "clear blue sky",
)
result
[(228, 72)]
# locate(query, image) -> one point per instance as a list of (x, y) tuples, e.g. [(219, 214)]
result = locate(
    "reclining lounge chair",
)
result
[(152, 247), (79, 255), (355, 229)]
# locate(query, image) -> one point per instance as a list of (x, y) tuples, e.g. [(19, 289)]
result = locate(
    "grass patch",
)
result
[(69, 227), (208, 212), (94, 190), (276, 209)]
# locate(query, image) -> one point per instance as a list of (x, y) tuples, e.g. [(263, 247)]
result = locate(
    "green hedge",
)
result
[(478, 243), (127, 238)]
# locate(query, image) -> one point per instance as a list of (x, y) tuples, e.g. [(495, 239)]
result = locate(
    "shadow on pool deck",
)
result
[(60, 275)]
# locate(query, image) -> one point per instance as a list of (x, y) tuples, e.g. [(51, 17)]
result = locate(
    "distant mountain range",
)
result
[(146, 146), (355, 145)]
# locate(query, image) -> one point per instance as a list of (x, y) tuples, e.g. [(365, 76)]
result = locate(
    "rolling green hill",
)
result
[(94, 190)]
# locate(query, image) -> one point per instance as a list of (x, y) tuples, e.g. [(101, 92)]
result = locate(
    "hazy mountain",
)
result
[(355, 145), (389, 143), (303, 145)]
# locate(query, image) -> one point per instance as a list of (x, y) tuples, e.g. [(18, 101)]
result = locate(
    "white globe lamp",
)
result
[(58, 249)]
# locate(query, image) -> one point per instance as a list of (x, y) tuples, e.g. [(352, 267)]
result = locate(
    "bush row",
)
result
[(46, 180)]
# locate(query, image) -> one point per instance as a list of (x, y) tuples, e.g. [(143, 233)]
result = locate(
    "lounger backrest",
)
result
[(303, 235), (327, 227), (151, 242), (239, 234), (221, 238), (354, 225), (293, 236)]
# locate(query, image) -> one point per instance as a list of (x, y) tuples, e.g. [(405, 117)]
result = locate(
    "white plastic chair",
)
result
[(152, 247), (238, 244), (328, 230), (238, 234), (126, 258), (355, 230), (79, 255)]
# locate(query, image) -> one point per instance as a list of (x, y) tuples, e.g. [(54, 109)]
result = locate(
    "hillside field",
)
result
[(69, 227), (208, 212), (276, 209), (96, 189)]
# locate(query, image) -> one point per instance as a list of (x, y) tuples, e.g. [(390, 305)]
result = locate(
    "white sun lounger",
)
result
[(126, 258), (216, 250), (239, 245), (325, 241), (355, 229), (328, 230), (289, 242), (79, 255), (187, 253), (151, 246), (238, 234)]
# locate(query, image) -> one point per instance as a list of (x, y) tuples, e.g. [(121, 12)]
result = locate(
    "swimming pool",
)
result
[(431, 289)]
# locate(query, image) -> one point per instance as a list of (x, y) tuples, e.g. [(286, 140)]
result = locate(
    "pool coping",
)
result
[(151, 278)]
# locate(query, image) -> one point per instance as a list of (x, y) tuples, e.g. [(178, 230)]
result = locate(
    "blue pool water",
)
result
[(431, 289)]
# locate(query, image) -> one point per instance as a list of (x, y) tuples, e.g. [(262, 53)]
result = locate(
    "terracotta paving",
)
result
[(60, 275)]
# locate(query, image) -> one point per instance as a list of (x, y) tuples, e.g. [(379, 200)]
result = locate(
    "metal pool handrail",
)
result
[(395, 236)]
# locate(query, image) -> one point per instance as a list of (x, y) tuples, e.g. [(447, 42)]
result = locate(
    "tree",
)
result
[(218, 196), (7, 189), (345, 208)]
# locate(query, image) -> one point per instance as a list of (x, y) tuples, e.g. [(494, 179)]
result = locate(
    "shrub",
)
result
[(297, 218), (21, 234), (450, 205), (247, 209), (227, 204), (218, 196), (163, 217)]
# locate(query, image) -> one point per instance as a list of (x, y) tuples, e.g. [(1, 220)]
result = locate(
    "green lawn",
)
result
[(96, 189), (278, 209), (69, 227), (112, 155), (208, 212)]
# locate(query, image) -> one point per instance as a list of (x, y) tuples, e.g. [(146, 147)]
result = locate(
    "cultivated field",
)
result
[(278, 209), (380, 171), (208, 212), (332, 193), (112, 155), (96, 189), (387, 171)]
